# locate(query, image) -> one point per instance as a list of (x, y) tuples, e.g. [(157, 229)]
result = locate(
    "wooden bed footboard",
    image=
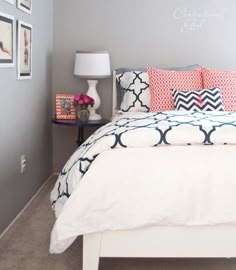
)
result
[(160, 242)]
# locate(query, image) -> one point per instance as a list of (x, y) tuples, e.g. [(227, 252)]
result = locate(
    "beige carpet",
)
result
[(25, 247)]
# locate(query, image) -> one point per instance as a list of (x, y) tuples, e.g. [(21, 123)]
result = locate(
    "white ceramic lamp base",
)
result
[(92, 92)]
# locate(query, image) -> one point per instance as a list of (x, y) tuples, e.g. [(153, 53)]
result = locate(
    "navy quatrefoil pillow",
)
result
[(200, 100), (136, 91)]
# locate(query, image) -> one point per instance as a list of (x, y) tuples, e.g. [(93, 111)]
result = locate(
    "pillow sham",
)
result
[(199, 100), (162, 81), (184, 68), (136, 91), (226, 80), (135, 94)]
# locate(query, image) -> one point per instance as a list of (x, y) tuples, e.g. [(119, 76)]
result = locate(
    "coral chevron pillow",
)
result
[(226, 80), (162, 81), (199, 100)]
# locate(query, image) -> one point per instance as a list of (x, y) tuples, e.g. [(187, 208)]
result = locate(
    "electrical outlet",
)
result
[(22, 164)]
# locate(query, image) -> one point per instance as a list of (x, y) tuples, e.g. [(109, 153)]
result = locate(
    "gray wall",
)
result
[(25, 111), (137, 33)]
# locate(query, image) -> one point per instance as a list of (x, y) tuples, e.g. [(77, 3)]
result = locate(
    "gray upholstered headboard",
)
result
[(118, 92)]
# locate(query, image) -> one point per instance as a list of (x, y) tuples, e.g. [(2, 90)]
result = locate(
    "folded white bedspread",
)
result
[(185, 185)]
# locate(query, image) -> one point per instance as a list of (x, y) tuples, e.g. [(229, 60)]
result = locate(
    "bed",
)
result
[(146, 185)]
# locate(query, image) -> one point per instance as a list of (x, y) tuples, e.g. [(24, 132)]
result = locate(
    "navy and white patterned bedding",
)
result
[(144, 130)]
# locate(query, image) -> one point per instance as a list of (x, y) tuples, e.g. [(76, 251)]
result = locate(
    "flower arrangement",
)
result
[(83, 99), (81, 102)]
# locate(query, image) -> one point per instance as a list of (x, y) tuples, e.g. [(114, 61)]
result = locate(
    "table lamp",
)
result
[(92, 65)]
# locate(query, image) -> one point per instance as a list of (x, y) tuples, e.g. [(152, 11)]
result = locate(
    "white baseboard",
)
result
[(15, 219)]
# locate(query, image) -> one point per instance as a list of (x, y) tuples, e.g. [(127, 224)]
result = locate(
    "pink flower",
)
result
[(77, 97), (83, 99), (86, 100)]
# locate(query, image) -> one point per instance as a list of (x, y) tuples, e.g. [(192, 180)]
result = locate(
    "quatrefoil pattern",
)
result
[(135, 85), (144, 130)]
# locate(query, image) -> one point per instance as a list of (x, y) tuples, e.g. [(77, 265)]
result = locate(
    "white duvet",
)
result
[(133, 187), (193, 185)]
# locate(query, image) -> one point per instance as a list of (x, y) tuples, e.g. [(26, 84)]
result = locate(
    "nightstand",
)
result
[(80, 125)]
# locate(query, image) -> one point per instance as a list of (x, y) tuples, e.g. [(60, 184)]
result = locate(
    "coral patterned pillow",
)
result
[(162, 81), (226, 80)]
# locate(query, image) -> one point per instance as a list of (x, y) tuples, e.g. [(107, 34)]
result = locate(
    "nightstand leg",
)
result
[(80, 138)]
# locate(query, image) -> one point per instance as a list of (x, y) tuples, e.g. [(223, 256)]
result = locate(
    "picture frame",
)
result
[(7, 40), (10, 1), (24, 51), (25, 5), (65, 109)]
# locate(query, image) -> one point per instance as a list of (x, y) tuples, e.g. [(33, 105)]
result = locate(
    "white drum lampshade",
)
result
[(92, 65)]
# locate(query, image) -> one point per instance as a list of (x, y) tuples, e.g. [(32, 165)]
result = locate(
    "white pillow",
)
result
[(136, 91)]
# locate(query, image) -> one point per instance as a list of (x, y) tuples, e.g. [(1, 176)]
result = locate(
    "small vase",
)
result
[(82, 112)]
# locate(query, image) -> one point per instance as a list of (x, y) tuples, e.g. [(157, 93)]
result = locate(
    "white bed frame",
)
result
[(159, 241)]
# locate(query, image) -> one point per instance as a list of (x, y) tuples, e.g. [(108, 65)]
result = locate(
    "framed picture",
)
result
[(7, 29), (24, 50), (25, 5), (65, 106), (11, 1)]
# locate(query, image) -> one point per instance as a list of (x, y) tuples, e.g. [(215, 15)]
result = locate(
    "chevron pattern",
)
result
[(161, 81), (226, 80), (200, 100)]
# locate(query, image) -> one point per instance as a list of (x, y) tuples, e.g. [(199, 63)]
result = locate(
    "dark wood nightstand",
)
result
[(80, 125)]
